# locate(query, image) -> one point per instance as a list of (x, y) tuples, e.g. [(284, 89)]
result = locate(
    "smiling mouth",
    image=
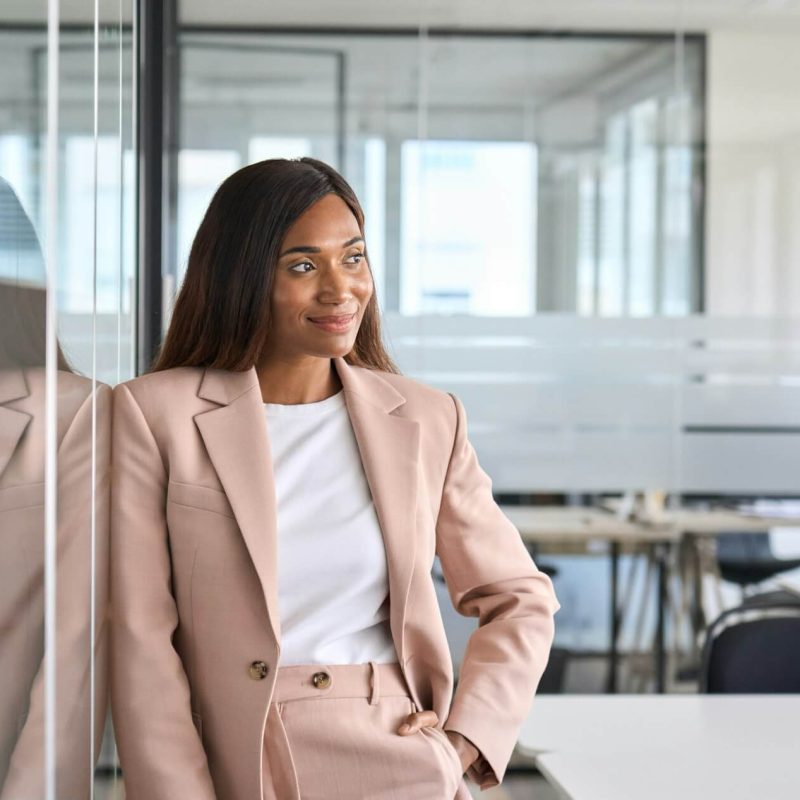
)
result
[(333, 318), (335, 323)]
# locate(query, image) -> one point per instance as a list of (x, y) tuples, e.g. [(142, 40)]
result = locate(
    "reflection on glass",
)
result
[(568, 146), (200, 172), (466, 243), (642, 233), (81, 535), (613, 214), (676, 221)]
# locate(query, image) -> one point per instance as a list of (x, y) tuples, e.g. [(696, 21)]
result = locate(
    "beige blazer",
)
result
[(193, 575), (22, 523)]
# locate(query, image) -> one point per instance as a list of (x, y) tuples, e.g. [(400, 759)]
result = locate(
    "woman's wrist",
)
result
[(467, 751)]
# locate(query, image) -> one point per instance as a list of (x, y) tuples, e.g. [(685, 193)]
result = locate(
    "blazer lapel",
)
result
[(13, 423), (236, 437), (389, 448)]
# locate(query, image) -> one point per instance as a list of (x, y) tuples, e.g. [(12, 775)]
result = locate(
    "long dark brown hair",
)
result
[(23, 298), (221, 317)]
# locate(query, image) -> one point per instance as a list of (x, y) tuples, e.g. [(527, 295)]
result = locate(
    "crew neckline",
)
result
[(306, 409)]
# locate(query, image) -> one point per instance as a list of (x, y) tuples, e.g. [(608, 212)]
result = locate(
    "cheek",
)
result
[(286, 298), (364, 286)]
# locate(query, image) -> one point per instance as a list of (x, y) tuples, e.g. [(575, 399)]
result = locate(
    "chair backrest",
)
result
[(753, 650), (743, 546)]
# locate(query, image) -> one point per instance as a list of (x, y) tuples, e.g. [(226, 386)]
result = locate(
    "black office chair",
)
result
[(552, 681), (754, 648), (747, 558)]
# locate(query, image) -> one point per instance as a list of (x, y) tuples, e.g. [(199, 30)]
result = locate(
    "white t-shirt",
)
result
[(333, 586)]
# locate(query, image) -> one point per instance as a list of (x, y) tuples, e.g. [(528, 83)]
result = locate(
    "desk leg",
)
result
[(613, 654), (660, 650)]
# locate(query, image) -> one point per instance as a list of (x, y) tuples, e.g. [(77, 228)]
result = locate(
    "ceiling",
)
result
[(597, 15)]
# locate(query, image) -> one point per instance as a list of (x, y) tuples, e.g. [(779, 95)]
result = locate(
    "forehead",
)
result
[(328, 221)]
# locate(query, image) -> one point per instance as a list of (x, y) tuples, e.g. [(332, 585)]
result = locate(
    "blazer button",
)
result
[(258, 670), (321, 680)]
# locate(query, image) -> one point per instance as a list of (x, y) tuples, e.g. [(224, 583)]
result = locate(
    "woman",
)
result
[(279, 494), (81, 536)]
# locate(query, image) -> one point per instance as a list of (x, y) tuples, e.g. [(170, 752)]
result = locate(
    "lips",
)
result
[(336, 323), (334, 318)]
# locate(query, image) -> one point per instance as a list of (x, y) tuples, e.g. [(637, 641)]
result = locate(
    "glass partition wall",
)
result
[(542, 234), (587, 236), (66, 263), (574, 162), (535, 221)]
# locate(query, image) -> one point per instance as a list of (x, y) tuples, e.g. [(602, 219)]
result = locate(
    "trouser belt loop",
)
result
[(375, 693)]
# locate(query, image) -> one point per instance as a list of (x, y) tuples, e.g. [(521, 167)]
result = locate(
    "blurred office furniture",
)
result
[(726, 544), (683, 537), (721, 542), (580, 525), (695, 747), (552, 681), (754, 648), (747, 559)]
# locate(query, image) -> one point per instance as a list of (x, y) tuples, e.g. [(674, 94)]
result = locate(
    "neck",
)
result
[(292, 382)]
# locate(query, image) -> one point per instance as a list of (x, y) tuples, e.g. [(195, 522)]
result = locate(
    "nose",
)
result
[(335, 287)]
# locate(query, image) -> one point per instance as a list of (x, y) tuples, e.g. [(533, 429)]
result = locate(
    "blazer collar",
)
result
[(225, 386), (237, 440), (13, 422), (13, 384)]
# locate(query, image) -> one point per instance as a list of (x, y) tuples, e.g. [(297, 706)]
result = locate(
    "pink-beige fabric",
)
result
[(340, 739), (81, 661), (193, 560)]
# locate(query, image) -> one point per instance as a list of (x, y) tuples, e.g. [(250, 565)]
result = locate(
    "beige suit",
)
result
[(22, 474), (194, 599)]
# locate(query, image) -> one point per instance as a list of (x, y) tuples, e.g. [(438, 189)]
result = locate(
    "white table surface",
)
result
[(667, 747)]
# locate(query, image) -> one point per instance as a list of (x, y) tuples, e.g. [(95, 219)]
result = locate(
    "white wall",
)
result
[(753, 202)]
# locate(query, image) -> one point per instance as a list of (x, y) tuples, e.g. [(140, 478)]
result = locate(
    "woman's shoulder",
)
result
[(413, 389), (422, 401), (175, 382)]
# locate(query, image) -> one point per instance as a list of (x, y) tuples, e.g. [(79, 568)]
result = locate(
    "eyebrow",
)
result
[(307, 248)]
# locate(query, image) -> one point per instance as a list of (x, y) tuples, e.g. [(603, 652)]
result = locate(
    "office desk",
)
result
[(566, 523), (538, 524), (663, 747), (551, 524)]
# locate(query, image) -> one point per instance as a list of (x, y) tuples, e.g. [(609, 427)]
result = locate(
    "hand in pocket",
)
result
[(467, 752)]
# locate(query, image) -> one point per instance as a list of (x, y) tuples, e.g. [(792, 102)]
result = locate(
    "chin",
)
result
[(334, 351)]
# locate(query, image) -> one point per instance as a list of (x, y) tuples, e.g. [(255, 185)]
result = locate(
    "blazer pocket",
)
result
[(30, 495), (202, 497)]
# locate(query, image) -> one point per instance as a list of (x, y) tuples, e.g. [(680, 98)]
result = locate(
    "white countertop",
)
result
[(667, 747)]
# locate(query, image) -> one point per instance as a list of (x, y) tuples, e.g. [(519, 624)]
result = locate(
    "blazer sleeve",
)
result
[(160, 751), (490, 575)]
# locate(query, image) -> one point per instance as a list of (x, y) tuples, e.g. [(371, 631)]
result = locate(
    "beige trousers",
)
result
[(331, 734)]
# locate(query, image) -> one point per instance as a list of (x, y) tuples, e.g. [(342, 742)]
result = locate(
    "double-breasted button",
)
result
[(258, 670), (321, 680)]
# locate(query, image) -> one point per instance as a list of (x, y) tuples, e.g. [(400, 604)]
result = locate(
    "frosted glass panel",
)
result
[(559, 403)]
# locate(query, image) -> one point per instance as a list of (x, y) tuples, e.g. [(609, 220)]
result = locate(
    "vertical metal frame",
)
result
[(50, 662), (156, 117)]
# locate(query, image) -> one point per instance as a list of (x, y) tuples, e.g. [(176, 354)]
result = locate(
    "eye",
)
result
[(358, 256), (294, 267)]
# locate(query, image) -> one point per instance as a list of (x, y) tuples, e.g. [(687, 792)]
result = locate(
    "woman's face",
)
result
[(322, 283)]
